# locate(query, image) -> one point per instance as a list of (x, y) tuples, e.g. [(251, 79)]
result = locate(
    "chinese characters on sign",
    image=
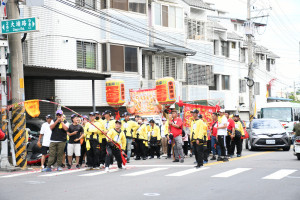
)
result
[(20, 25)]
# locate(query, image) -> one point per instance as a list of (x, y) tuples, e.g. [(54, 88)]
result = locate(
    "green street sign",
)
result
[(20, 25)]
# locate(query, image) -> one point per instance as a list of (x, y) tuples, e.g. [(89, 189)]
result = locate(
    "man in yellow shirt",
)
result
[(118, 137), (197, 138), (154, 139), (92, 136), (140, 137), (128, 127), (236, 137)]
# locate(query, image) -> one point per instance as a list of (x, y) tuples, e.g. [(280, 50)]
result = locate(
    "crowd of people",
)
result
[(97, 139)]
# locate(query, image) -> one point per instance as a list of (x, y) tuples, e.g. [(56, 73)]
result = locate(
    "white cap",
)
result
[(222, 110)]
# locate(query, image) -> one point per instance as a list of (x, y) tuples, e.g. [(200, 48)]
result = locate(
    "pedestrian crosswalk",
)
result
[(160, 171)]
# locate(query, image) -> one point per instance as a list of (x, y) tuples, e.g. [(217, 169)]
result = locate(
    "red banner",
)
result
[(205, 111)]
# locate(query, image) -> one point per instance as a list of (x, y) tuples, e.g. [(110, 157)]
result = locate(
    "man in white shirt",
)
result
[(222, 133), (45, 132)]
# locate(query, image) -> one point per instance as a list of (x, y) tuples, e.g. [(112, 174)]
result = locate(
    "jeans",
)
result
[(215, 150), (128, 147), (178, 151), (56, 151)]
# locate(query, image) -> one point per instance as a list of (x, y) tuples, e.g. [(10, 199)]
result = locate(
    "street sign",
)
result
[(20, 25)]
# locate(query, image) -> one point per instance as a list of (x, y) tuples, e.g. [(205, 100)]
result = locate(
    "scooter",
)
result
[(34, 152), (297, 147)]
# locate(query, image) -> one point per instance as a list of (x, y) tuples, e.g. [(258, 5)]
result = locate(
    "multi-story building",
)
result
[(140, 41)]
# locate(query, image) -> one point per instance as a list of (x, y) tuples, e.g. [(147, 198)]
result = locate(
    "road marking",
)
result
[(160, 165), (145, 172), (63, 172), (280, 174), (231, 172), (189, 171), (99, 173), (19, 174)]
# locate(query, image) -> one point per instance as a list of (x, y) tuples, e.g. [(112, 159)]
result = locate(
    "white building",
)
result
[(140, 41)]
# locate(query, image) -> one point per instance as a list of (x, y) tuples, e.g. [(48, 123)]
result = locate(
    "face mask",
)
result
[(97, 118)]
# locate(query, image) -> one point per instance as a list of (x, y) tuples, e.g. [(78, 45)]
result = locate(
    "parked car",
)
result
[(267, 133)]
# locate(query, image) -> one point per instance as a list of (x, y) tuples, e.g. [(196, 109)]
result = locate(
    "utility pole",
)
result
[(18, 95), (250, 62)]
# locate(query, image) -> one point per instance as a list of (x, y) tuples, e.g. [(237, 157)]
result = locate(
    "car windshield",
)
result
[(266, 124), (282, 114)]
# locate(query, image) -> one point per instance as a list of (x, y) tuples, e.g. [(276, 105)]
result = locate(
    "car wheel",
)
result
[(286, 148), (298, 156), (250, 147)]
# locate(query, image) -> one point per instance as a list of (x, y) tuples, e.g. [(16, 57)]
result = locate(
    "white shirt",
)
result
[(162, 131), (224, 122), (46, 132)]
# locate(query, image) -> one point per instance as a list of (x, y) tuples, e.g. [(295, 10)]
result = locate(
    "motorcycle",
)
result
[(34, 152), (297, 147)]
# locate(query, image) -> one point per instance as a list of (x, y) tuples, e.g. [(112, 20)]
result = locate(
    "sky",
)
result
[(281, 35)]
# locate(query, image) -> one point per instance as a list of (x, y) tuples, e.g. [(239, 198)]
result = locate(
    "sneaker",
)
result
[(106, 169), (137, 158), (191, 155), (158, 157), (59, 169), (102, 166), (225, 160), (69, 166), (176, 160), (182, 160), (63, 165), (220, 159), (78, 166), (47, 169), (239, 155), (168, 157), (151, 157), (213, 158), (198, 166), (144, 158), (231, 156), (205, 162)]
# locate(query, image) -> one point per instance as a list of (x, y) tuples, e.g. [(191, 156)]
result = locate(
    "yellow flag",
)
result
[(33, 108)]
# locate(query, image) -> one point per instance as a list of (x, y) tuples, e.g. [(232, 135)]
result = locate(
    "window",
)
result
[(196, 29), (86, 55), (216, 47), (138, 6), (225, 82), (86, 3), (169, 68), (268, 67), (104, 57), (233, 45), (199, 75), (256, 88), (225, 50), (168, 16), (215, 83), (242, 86), (165, 20), (166, 66), (243, 55), (131, 64), (103, 4), (123, 58)]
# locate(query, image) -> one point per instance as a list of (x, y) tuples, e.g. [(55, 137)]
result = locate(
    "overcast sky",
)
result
[(282, 34)]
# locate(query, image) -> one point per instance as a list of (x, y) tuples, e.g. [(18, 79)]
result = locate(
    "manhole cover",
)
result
[(151, 194)]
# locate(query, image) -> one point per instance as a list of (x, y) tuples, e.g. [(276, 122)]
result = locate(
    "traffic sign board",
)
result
[(20, 25)]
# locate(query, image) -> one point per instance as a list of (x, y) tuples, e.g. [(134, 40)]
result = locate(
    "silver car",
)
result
[(267, 133)]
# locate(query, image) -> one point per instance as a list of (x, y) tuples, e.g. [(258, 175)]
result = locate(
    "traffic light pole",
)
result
[(18, 95)]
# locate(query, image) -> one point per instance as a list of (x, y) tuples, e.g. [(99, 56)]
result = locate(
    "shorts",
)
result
[(74, 148), (44, 150)]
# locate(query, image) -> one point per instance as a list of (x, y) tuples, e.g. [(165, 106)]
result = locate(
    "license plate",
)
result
[(297, 149), (270, 142)]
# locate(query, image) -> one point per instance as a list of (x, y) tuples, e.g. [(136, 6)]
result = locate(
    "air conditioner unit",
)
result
[(241, 100)]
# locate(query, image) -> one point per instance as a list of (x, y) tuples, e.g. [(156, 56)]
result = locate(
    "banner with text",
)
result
[(205, 111)]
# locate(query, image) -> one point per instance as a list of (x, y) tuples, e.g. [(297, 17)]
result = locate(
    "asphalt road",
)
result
[(256, 175)]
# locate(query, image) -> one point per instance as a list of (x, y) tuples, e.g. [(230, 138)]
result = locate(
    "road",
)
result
[(257, 175)]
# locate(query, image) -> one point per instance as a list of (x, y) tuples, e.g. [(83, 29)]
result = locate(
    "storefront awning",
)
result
[(175, 49)]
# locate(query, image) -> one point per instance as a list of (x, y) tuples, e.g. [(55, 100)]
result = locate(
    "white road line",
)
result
[(231, 172), (160, 165), (99, 173), (145, 172), (19, 174), (189, 171), (61, 173), (280, 174)]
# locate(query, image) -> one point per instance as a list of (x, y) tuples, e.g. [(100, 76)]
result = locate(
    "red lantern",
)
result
[(165, 91)]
